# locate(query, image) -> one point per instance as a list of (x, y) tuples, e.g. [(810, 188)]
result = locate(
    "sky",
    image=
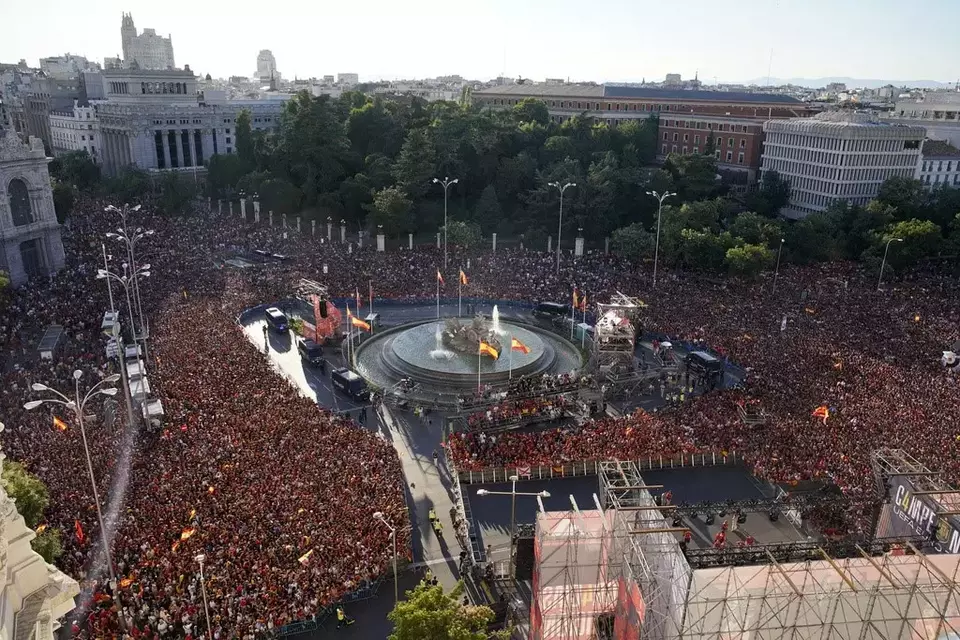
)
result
[(613, 40)]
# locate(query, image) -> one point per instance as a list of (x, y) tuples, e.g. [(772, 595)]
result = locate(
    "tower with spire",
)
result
[(128, 32)]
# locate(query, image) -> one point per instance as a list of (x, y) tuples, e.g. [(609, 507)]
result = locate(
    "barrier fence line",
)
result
[(493, 475)]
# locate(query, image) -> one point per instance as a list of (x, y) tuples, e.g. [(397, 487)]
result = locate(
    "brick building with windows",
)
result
[(686, 117)]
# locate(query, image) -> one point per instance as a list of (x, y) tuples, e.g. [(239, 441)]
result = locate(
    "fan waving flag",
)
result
[(78, 530), (463, 277), (822, 412), (186, 533), (489, 349), (305, 558), (357, 322), (516, 345), (439, 277), (59, 424)]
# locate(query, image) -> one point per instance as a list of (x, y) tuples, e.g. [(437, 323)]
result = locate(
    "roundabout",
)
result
[(441, 357)]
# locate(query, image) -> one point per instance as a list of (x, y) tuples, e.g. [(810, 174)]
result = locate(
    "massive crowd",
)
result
[(263, 478)]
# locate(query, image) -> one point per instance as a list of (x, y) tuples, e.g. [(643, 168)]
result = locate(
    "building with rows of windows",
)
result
[(939, 165), (76, 129), (687, 118), (838, 156)]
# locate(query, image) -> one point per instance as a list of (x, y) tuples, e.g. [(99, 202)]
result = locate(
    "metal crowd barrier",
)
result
[(364, 592), (492, 475)]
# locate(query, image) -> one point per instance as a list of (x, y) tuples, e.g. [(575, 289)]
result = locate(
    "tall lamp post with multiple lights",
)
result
[(561, 189), (776, 271), (130, 237), (203, 588), (656, 251), (884, 263), (127, 281), (446, 182), (513, 493), (393, 536), (76, 406)]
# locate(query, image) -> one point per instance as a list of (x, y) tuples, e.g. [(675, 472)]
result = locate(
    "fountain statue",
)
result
[(496, 322), (440, 353), (466, 339)]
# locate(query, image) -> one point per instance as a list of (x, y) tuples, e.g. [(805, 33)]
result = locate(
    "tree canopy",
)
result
[(428, 612)]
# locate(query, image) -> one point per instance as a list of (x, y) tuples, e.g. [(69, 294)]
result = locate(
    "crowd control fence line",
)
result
[(492, 475)]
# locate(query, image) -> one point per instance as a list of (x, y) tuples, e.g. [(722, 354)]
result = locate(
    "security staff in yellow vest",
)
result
[(343, 620), (432, 515)]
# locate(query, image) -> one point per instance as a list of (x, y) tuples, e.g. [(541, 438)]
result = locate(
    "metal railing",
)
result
[(492, 475)]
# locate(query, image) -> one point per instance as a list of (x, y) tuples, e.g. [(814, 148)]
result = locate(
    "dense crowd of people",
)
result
[(511, 411), (279, 494)]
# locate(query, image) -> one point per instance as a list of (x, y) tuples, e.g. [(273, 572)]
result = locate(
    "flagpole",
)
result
[(370, 282), (460, 293), (573, 320), (510, 376), (438, 294), (583, 334), (349, 338)]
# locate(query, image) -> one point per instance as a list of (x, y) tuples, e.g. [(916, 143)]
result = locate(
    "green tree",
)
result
[(773, 195), (813, 239), (416, 165), (4, 280), (48, 545), (710, 146), (428, 612), (531, 110), (704, 250), (224, 172), (176, 193), (244, 135), (920, 239), (907, 196), (29, 492), (392, 209), (694, 174), (749, 260), (463, 234), (857, 226), (954, 237), (756, 229), (488, 213), (76, 168), (63, 199), (280, 196), (633, 242), (130, 184), (313, 146)]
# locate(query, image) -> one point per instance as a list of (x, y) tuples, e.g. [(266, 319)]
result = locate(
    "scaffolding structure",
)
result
[(619, 572)]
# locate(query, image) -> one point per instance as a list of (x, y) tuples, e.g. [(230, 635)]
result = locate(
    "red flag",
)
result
[(516, 345), (583, 303), (439, 277), (489, 349), (78, 530), (576, 300), (187, 532), (357, 322), (822, 412), (463, 277)]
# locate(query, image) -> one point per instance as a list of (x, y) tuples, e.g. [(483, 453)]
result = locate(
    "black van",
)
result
[(277, 319), (705, 364), (309, 351), (551, 310), (350, 383)]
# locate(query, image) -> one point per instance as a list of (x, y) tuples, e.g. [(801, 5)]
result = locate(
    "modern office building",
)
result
[(146, 50), (43, 96), (939, 165), (75, 129), (29, 232), (838, 156), (938, 112)]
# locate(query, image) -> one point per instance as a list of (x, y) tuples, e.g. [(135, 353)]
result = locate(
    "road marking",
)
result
[(430, 563)]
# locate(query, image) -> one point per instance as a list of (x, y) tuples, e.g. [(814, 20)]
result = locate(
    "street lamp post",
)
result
[(393, 536), (656, 251), (884, 263), (776, 272), (513, 493), (446, 182), (560, 223), (203, 589), (130, 238), (77, 407), (127, 281)]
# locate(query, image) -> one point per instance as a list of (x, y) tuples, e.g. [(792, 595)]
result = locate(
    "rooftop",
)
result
[(644, 93), (939, 149)]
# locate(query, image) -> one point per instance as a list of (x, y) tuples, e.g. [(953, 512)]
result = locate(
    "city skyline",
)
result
[(756, 39)]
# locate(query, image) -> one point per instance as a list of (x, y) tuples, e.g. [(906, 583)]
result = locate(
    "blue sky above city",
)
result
[(614, 40)]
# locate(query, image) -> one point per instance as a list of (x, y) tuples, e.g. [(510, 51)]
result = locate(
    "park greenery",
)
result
[(372, 161), (31, 498), (429, 612)]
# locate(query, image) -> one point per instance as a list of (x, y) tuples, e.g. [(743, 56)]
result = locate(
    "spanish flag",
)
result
[(439, 277), (305, 558), (125, 582), (59, 424), (822, 412), (175, 546), (40, 529), (576, 299), (488, 349), (583, 303), (357, 322), (516, 345), (463, 277), (186, 533), (193, 512), (78, 530)]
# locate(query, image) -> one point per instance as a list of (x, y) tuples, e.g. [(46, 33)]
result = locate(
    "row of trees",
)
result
[(32, 498)]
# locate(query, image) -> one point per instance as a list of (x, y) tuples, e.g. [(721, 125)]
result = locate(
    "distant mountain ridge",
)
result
[(852, 83)]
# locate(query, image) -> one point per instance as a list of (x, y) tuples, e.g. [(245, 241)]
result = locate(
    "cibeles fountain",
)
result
[(442, 357)]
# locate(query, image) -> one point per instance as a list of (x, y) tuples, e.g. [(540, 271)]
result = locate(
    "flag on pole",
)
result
[(357, 290), (78, 530), (175, 546), (576, 299), (440, 277), (463, 277), (357, 322), (125, 582), (516, 345), (305, 558), (187, 532), (489, 349), (59, 424), (583, 303)]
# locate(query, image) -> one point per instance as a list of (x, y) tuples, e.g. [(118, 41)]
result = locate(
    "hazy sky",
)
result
[(605, 41)]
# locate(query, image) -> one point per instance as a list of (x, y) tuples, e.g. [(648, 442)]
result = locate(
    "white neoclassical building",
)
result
[(837, 156), (29, 232), (76, 129), (34, 595)]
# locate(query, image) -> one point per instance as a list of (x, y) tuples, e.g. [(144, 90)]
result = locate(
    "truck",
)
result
[(350, 383)]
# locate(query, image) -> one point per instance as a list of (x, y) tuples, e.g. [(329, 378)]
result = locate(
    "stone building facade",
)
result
[(29, 232), (937, 112), (838, 156), (146, 50), (76, 129)]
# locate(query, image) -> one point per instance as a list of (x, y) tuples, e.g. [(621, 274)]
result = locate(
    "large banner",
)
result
[(908, 514), (630, 611)]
